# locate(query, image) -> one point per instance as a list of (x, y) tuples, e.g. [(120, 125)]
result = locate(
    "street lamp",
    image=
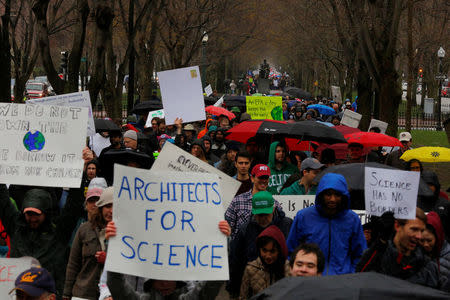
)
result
[(441, 55), (204, 42)]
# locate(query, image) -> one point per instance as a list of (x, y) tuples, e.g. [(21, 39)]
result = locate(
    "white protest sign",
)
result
[(380, 124), (173, 158), (291, 204), (42, 144), (167, 226), (351, 118), (182, 96), (10, 268), (152, 114), (208, 90), (336, 93), (391, 190), (219, 102), (80, 99)]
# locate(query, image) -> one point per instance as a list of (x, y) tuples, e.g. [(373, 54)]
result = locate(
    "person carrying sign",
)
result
[(332, 225)]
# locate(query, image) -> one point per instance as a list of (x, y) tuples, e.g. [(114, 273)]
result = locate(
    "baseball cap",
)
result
[(106, 197), (311, 163), (130, 134), (189, 127), (262, 203), (37, 201), (35, 282), (405, 136), (96, 187), (260, 170)]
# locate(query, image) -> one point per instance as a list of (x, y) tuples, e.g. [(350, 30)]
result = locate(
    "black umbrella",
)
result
[(146, 106), (356, 286), (102, 125), (209, 100), (231, 101), (296, 92), (315, 131), (355, 175)]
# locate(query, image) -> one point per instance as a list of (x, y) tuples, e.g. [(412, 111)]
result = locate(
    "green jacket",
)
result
[(299, 189), (48, 243), (278, 177)]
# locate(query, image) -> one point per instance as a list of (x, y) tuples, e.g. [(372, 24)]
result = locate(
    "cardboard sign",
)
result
[(10, 268), (291, 204), (380, 124), (173, 158), (80, 99), (391, 190), (336, 94), (42, 144), (351, 118), (151, 114), (262, 107), (182, 96), (167, 226), (208, 90)]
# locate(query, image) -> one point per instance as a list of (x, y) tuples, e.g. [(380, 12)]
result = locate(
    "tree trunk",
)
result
[(364, 86), (409, 97), (5, 55)]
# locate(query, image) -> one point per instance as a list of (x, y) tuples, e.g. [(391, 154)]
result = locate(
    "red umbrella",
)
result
[(294, 145), (245, 130), (218, 111), (372, 139), (346, 129), (341, 149)]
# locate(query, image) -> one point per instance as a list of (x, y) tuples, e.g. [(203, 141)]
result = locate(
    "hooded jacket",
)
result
[(340, 237), (48, 243), (441, 249), (243, 247), (257, 276), (278, 177)]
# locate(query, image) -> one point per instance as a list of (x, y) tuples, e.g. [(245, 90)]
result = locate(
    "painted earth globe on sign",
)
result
[(34, 141)]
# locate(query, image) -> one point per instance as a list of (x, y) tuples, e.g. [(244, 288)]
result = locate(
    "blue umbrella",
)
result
[(323, 109), (325, 123)]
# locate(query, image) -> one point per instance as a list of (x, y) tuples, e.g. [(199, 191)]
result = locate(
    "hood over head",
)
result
[(434, 221), (336, 182), (37, 199), (198, 143), (431, 178), (275, 233), (273, 147)]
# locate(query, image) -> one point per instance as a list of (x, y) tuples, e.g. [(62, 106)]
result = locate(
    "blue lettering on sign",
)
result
[(195, 192), (214, 186), (161, 198), (125, 242), (190, 256), (157, 262), (126, 188), (184, 219), (206, 191), (173, 222), (138, 185), (147, 217), (215, 256), (174, 198), (139, 251), (182, 184), (171, 254), (199, 255), (146, 193), (190, 192)]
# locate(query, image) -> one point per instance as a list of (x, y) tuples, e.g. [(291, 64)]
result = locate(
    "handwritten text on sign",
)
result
[(42, 144), (264, 107), (391, 190), (167, 226), (10, 268)]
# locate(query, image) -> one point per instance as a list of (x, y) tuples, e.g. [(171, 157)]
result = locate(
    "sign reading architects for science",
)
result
[(42, 144)]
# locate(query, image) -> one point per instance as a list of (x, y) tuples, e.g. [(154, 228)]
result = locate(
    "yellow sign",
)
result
[(265, 107)]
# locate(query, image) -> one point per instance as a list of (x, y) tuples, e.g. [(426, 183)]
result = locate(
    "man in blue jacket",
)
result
[(332, 225)]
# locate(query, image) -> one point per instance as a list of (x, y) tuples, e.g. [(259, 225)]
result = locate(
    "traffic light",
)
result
[(64, 60), (420, 72)]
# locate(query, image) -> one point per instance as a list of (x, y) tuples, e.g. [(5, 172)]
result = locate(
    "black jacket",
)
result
[(243, 247)]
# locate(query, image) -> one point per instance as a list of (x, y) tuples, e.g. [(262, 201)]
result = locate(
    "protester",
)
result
[(163, 289), (243, 248), (242, 165), (268, 268), (280, 168), (88, 252), (91, 169), (402, 256), (198, 150), (218, 147), (434, 243), (34, 283), (355, 153), (227, 161), (115, 138), (306, 260), (332, 225), (310, 167), (130, 139), (414, 165), (34, 233), (190, 133), (240, 209), (99, 141), (207, 143), (393, 159)]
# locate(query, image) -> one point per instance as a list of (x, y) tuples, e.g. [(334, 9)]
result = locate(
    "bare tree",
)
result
[(5, 56)]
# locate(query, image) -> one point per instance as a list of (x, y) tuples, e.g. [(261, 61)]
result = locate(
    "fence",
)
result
[(420, 119)]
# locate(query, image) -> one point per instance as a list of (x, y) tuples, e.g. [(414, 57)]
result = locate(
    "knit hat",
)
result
[(130, 134)]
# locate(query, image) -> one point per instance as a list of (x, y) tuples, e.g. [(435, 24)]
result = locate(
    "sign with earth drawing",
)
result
[(42, 144), (265, 107)]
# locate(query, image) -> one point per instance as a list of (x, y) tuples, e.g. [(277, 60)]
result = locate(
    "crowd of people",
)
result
[(67, 230)]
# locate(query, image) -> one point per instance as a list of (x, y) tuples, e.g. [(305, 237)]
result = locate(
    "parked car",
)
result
[(44, 80), (36, 89)]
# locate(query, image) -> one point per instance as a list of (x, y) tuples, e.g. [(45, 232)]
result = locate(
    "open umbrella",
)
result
[(209, 100), (341, 149), (231, 101), (296, 92), (297, 145), (245, 130), (146, 106), (372, 139), (218, 111), (427, 154), (102, 125), (355, 175), (358, 286), (314, 131), (323, 109)]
